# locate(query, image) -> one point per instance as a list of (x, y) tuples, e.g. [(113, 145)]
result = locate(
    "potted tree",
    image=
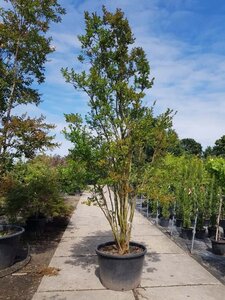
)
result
[(216, 166), (9, 242), (9, 234), (111, 144)]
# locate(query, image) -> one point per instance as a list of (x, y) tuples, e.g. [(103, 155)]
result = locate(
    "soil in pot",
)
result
[(200, 233), (218, 247), (120, 272), (186, 233), (9, 243)]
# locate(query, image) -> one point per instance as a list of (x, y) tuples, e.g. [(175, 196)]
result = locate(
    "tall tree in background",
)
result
[(23, 52), (218, 149), (111, 145), (190, 146)]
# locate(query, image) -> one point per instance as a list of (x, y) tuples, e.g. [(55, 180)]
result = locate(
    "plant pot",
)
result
[(179, 222), (120, 272), (164, 222), (206, 222), (218, 247), (9, 244), (187, 233), (222, 223), (211, 231), (36, 224), (200, 233)]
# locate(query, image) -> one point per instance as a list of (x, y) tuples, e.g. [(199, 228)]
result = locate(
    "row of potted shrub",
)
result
[(187, 186)]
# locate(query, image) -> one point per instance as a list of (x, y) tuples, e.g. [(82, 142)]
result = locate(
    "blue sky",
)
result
[(185, 44)]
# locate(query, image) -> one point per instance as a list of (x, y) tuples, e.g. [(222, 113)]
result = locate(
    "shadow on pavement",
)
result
[(83, 253)]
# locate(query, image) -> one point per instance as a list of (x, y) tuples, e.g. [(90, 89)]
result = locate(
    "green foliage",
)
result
[(24, 47), (219, 148), (183, 182), (112, 143), (216, 166), (190, 146), (34, 190), (72, 176)]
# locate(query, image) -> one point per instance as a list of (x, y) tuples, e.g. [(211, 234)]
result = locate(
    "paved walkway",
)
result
[(169, 273)]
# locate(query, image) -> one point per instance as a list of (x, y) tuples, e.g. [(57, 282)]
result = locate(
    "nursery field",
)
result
[(24, 282)]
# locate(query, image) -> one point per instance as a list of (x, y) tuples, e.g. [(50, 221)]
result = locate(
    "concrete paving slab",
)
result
[(200, 292), (85, 295), (139, 220), (77, 273), (174, 269), (80, 245), (159, 244), (145, 230), (84, 231)]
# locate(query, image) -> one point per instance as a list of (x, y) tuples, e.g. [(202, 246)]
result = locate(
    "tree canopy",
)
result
[(112, 141)]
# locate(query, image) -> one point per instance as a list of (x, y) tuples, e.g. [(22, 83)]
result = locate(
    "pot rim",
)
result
[(220, 241), (117, 256), (20, 230)]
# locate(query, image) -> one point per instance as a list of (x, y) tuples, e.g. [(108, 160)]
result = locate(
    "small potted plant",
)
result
[(186, 230), (200, 229), (9, 234), (165, 215), (111, 144), (212, 226)]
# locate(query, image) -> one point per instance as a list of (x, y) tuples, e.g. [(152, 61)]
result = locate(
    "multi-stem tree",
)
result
[(24, 47), (112, 142)]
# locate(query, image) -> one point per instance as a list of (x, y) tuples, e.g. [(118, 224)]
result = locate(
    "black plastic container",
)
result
[(121, 272), (179, 222), (187, 233), (9, 245), (164, 222), (222, 224), (200, 233), (211, 231), (218, 247)]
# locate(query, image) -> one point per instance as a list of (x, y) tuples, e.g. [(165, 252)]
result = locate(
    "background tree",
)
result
[(23, 53), (208, 151), (190, 146), (111, 143), (219, 148)]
